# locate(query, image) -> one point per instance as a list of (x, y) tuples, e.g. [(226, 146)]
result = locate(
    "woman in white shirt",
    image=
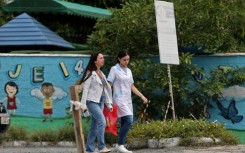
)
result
[(96, 93), (121, 79)]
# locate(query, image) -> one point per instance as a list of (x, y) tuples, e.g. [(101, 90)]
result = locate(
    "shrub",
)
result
[(66, 133), (16, 133), (44, 135), (183, 128), (186, 129), (142, 131)]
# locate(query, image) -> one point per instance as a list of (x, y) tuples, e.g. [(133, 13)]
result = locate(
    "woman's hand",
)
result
[(111, 109), (145, 100)]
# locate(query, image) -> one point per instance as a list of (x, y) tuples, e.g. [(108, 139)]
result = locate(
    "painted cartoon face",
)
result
[(11, 90), (47, 91)]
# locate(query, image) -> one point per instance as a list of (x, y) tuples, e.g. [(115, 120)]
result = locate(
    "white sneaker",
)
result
[(122, 149)]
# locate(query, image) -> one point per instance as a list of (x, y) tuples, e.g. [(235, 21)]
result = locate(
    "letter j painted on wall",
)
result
[(15, 74)]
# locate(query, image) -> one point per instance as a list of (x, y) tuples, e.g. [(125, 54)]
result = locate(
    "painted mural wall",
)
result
[(37, 85), (230, 109)]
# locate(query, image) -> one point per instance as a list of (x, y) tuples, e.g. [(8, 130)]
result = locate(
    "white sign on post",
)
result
[(166, 31)]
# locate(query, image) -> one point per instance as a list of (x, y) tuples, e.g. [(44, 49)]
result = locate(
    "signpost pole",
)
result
[(167, 39), (171, 91)]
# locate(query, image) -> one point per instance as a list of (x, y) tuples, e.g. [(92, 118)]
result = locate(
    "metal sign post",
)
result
[(167, 39), (171, 91)]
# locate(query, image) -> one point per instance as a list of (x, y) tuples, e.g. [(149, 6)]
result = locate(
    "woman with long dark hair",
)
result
[(96, 93)]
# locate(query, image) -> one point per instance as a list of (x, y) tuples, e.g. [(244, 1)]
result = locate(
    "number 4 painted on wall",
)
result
[(79, 67)]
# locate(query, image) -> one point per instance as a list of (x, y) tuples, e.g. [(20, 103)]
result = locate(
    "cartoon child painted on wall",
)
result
[(11, 89), (47, 90)]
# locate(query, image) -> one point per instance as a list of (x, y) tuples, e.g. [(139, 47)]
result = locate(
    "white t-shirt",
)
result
[(122, 80)]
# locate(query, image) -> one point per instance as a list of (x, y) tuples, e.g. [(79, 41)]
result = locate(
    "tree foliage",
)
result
[(133, 27), (192, 96), (152, 80), (217, 26), (3, 18)]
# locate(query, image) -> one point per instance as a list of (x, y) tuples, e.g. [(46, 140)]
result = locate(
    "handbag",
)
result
[(111, 120)]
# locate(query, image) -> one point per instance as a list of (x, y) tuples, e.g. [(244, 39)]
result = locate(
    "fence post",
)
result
[(74, 91)]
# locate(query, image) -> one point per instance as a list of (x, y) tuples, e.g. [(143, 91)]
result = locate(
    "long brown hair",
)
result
[(90, 67)]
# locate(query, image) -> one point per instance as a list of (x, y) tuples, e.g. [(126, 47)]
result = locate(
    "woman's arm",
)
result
[(86, 86), (138, 93)]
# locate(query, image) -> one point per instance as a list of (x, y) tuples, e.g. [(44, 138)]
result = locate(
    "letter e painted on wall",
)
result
[(38, 76)]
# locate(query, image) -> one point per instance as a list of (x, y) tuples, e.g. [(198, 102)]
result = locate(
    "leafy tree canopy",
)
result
[(133, 27), (3, 18), (216, 25)]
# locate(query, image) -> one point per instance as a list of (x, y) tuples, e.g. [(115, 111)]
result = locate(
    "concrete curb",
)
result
[(37, 144), (150, 143), (169, 142)]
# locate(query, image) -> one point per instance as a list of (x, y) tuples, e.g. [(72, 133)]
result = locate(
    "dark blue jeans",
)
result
[(126, 123)]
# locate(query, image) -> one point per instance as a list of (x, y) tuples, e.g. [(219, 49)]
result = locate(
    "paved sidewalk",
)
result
[(177, 149)]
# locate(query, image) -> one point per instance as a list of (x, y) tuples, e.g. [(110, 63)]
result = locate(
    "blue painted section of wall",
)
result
[(29, 90), (236, 119), (210, 62)]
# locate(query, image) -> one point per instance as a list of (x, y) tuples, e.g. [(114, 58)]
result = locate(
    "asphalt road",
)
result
[(177, 149)]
